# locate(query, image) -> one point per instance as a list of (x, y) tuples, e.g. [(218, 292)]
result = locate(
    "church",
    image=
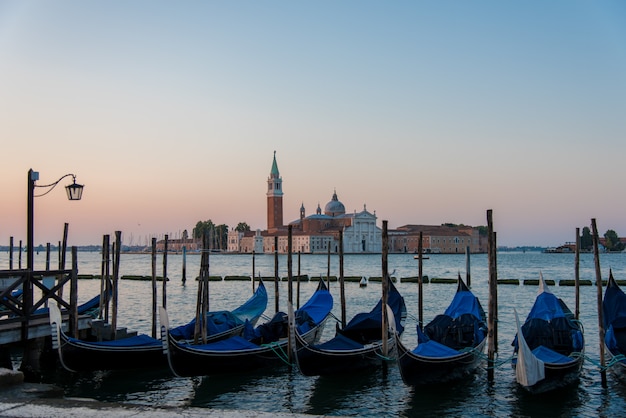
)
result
[(315, 233)]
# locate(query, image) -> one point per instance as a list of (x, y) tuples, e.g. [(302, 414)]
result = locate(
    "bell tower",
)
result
[(274, 198)]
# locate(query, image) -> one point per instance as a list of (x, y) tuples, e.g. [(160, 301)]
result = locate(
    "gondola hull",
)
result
[(187, 360), (556, 376), (425, 370), (549, 347), (76, 355), (313, 361)]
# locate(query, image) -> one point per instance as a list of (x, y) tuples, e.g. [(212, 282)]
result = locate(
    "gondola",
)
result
[(450, 347), (614, 319), (265, 345), (357, 346), (549, 346), (143, 351)]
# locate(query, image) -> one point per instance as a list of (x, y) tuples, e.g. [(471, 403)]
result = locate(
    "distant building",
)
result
[(310, 234), (317, 232), (436, 239)]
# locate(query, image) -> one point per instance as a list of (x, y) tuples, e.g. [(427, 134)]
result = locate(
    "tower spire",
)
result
[(274, 198)]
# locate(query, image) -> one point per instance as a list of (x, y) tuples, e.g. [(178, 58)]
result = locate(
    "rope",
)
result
[(280, 353)]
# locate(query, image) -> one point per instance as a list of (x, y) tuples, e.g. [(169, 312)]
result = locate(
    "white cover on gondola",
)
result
[(529, 369)]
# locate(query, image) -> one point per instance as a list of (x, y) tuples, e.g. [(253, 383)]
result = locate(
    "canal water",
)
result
[(378, 392)]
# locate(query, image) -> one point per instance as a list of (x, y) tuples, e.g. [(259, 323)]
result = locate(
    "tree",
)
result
[(586, 240), (612, 241), (242, 227)]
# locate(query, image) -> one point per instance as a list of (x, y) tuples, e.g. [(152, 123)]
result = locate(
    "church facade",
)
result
[(316, 233)]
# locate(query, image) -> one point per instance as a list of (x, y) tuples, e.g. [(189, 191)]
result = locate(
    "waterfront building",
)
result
[(315, 233), (318, 232)]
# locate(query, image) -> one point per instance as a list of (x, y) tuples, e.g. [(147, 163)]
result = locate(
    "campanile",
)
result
[(274, 198)]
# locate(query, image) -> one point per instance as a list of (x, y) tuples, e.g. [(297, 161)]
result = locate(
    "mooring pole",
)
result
[(164, 295), (577, 273), (493, 289), (342, 287), (253, 269), (289, 291), (468, 275), (184, 264), (276, 278), (154, 288), (420, 282), (116, 277), (596, 259), (385, 297)]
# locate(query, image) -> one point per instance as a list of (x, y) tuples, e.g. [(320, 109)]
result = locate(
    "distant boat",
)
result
[(451, 345), (549, 347)]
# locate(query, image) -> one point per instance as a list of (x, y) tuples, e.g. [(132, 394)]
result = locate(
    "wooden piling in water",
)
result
[(164, 295), (493, 290), (184, 278), (342, 287), (62, 252), (298, 284), (116, 277), (253, 261), (385, 286), (11, 253), (596, 260), (290, 346), (276, 278), (577, 274), (328, 268), (154, 287), (73, 325), (468, 276), (420, 282)]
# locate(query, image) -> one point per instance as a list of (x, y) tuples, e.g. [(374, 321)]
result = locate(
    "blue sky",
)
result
[(426, 112)]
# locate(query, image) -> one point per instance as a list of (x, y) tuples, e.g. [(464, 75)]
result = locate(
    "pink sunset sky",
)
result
[(426, 112)]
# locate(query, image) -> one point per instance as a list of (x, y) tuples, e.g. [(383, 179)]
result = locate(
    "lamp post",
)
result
[(74, 192)]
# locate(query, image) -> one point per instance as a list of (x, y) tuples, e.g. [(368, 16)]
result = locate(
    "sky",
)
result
[(426, 112)]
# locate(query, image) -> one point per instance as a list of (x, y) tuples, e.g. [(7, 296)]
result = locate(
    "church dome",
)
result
[(334, 207)]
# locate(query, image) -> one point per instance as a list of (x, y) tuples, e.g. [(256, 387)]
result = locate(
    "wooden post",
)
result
[(48, 256), (596, 259), (491, 317), (298, 286), (11, 253), (164, 295), (74, 294), (276, 278), (204, 266), (116, 277), (109, 285), (289, 265), (184, 264), (342, 287), (468, 275), (253, 269), (289, 290), (63, 250), (420, 282), (19, 257), (102, 283), (154, 288), (577, 273), (385, 297), (328, 268)]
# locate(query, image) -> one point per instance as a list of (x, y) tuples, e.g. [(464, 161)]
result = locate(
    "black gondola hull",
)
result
[(419, 370), (185, 360)]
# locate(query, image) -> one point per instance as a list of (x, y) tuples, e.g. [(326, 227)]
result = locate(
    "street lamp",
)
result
[(74, 192)]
